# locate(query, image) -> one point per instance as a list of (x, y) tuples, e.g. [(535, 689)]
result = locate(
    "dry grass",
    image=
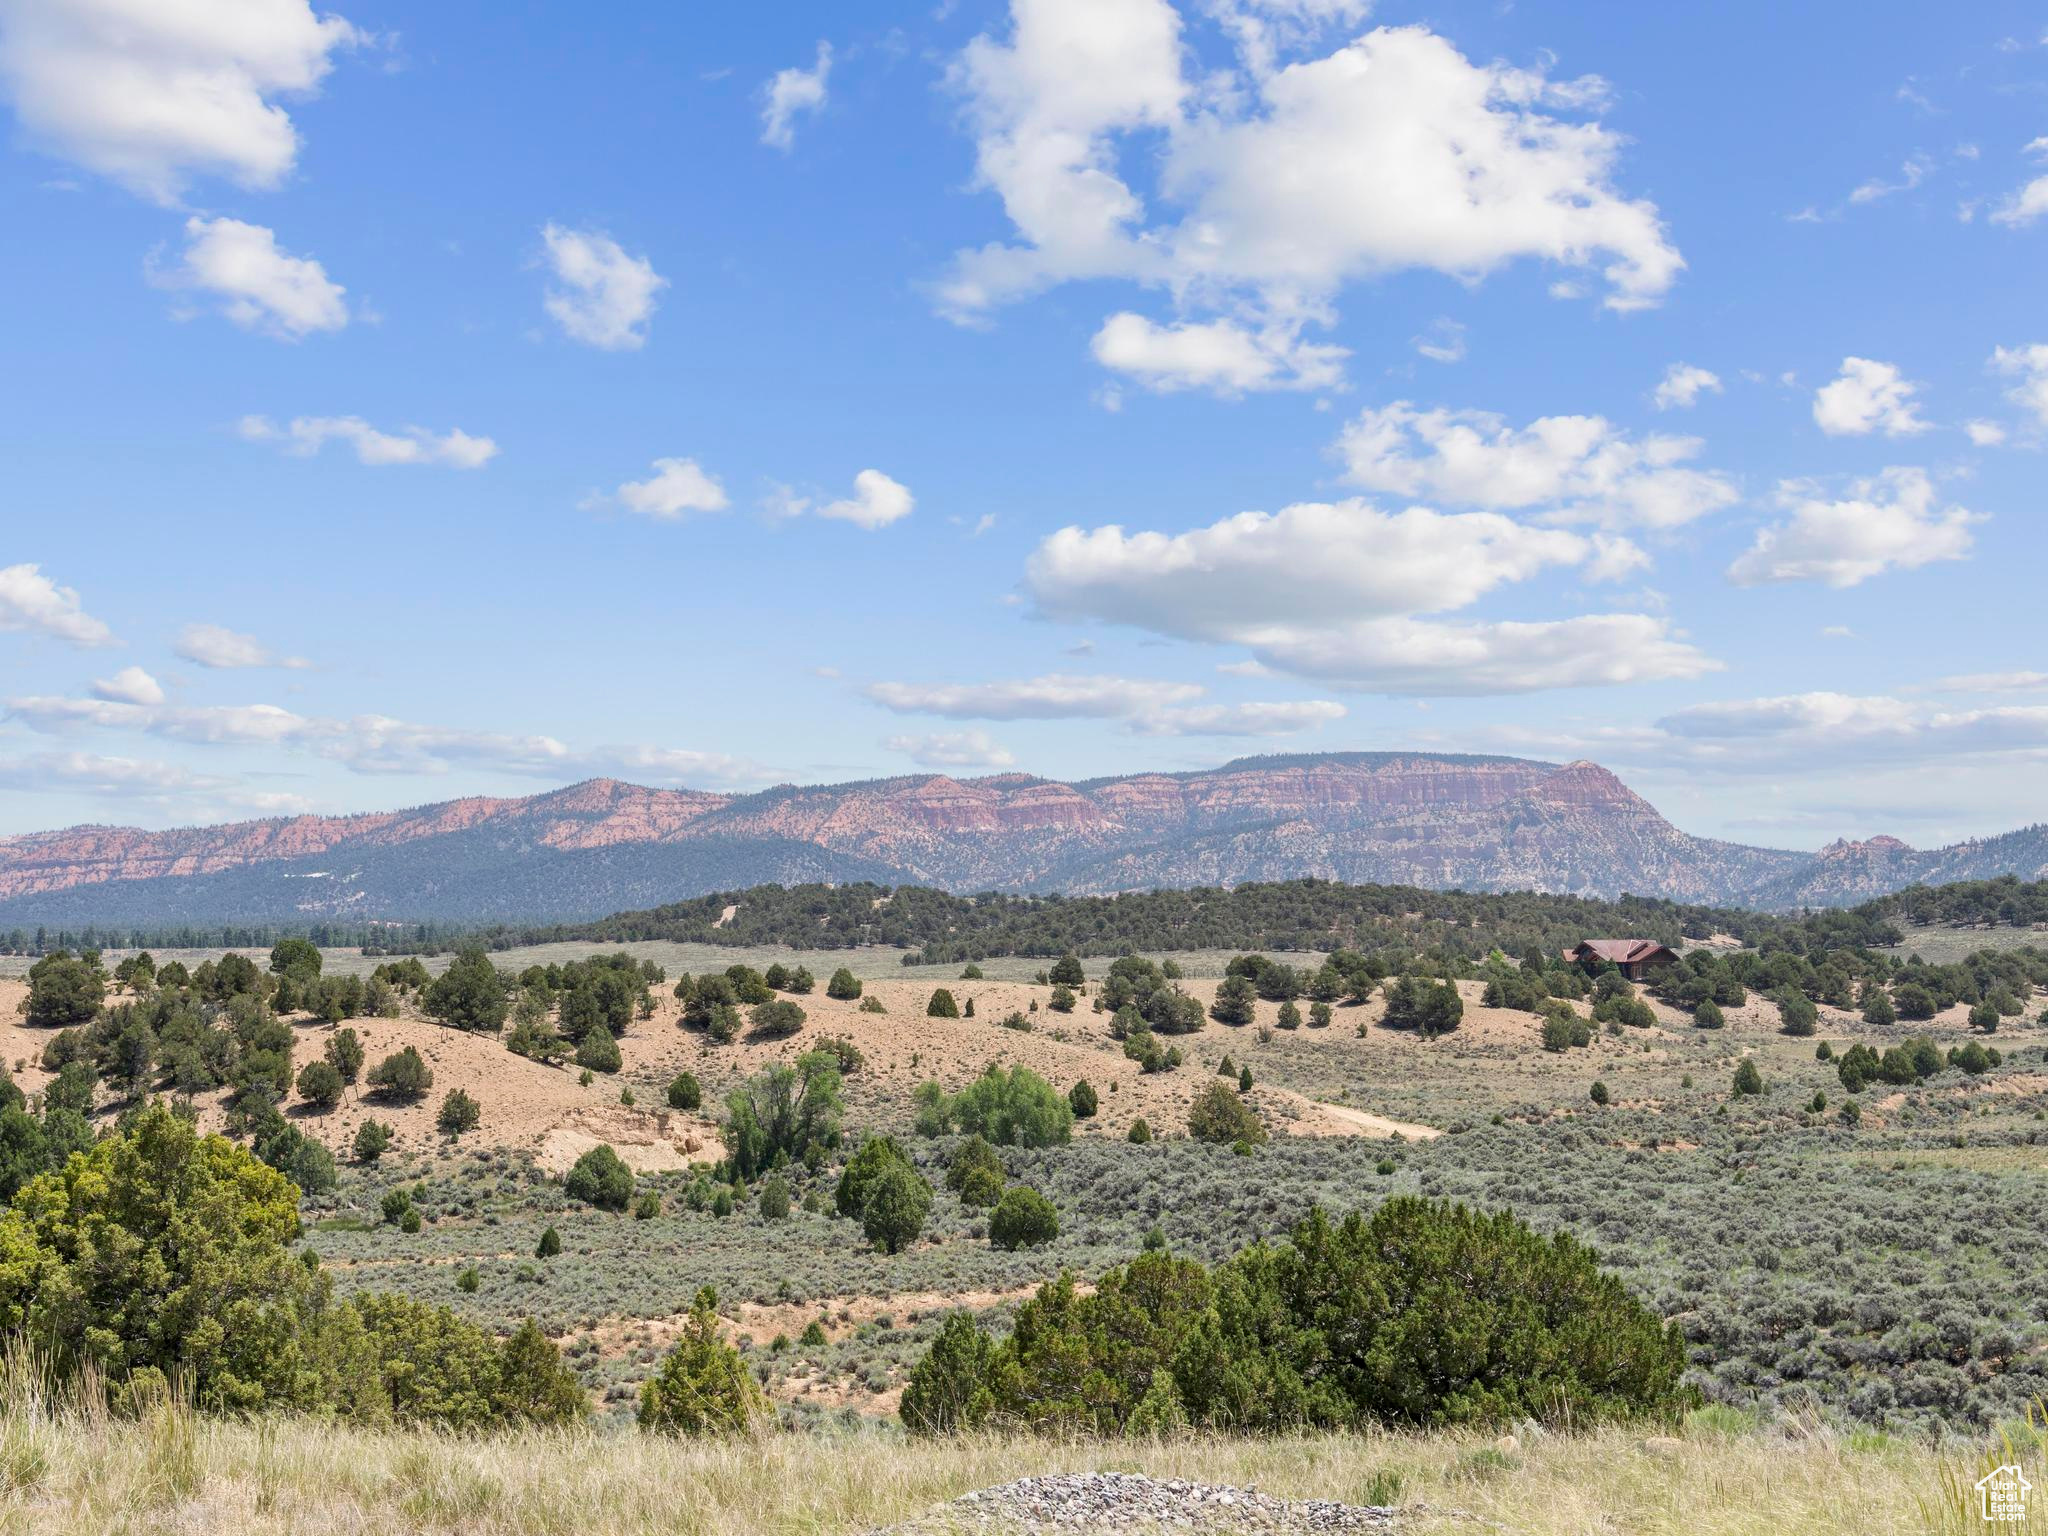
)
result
[(74, 1471)]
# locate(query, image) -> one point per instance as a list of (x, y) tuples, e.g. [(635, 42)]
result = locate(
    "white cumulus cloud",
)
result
[(1575, 468), (1394, 152), (1866, 397), (1340, 593), (2030, 201), (153, 92), (1221, 356), (790, 92), (953, 749), (2029, 367), (258, 285), (1682, 386), (677, 488), (600, 296), (130, 685), (876, 502), (411, 445), (1889, 522), (31, 603), (220, 648)]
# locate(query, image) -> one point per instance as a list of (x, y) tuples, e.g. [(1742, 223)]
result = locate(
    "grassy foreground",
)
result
[(78, 1472)]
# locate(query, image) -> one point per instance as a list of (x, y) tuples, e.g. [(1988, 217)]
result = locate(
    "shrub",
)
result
[(872, 1005), (951, 1392), (320, 1084), (1140, 1132), (1062, 1000), (1621, 1008), (684, 1092), (458, 1113), (1748, 1080), (1290, 1016), (598, 1051), (1598, 1092), (1449, 1317), (1877, 1005), (1067, 971), (971, 973), (857, 1180), (1319, 1015), (1708, 1015), (1800, 1017), (404, 1075), (1017, 1108), (470, 994), (785, 1112), (1023, 1218), (776, 1020), (600, 1178), (1428, 1007), (63, 991), (549, 1246), (1081, 1098), (1236, 1001), (702, 1387), (896, 1208), (161, 1249), (844, 985), (1912, 1001), (774, 1198), (1221, 1116), (647, 1207), (1984, 1016), (344, 1053), (372, 1137), (942, 1006), (974, 1162)]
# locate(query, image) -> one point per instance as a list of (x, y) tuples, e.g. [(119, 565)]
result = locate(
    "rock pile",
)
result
[(1083, 1503)]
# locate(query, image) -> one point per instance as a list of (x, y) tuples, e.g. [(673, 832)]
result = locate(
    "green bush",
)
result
[(1023, 1218), (783, 1112), (1081, 1098), (1748, 1080), (1140, 1132), (774, 1198), (598, 1051), (844, 985), (1428, 1007), (1598, 1092), (942, 1006), (600, 1178), (1708, 1015), (372, 1137), (896, 1207), (470, 994), (857, 1180), (549, 1246), (776, 1020), (976, 1173), (684, 1092), (1447, 1317), (320, 1084), (1014, 1108), (702, 1386), (403, 1075), (459, 1113), (1221, 1116)]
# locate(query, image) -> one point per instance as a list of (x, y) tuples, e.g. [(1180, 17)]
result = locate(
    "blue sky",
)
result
[(417, 401)]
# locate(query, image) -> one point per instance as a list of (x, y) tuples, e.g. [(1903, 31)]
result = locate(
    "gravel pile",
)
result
[(1083, 1503)]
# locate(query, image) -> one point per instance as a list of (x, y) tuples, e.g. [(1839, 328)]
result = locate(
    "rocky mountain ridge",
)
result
[(1433, 820)]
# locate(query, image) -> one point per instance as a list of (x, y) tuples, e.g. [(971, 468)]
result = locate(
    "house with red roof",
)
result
[(1634, 958)]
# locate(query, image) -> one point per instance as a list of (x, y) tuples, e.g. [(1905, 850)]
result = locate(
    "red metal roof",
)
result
[(1621, 951)]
